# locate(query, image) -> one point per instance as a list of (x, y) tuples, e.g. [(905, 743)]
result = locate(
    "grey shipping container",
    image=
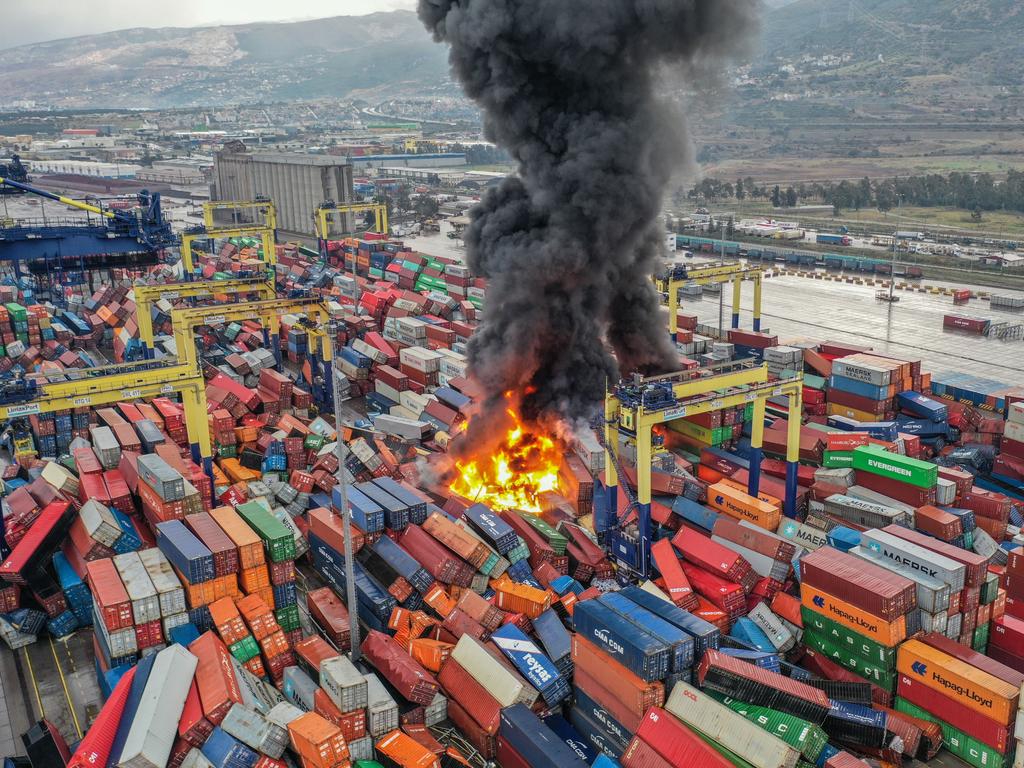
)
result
[(932, 593), (108, 450), (299, 689), (284, 713), (254, 730), (381, 709), (165, 481), (100, 523), (166, 583), (144, 597), (155, 727), (916, 558), (343, 683)]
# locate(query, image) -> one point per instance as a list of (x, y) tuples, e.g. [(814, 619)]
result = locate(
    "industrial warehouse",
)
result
[(366, 459)]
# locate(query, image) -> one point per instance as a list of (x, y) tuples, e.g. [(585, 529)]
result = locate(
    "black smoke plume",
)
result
[(568, 87)]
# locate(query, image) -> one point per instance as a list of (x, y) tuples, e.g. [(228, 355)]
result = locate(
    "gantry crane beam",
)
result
[(258, 209), (693, 398), (133, 382), (267, 237), (185, 321), (715, 274), (325, 211), (147, 295)]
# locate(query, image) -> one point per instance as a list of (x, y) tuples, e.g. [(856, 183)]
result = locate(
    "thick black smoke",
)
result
[(569, 246)]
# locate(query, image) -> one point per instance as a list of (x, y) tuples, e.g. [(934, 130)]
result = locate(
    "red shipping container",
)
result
[(973, 723), (894, 489), (1007, 633), (676, 583), (352, 724), (673, 741), (110, 595), (331, 615), (974, 658), (484, 742), (474, 699), (193, 725), (95, 747), (867, 586), (409, 678), (714, 557), (225, 552)]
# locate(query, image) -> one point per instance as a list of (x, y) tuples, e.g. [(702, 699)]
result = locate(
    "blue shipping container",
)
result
[(705, 635), (225, 751), (185, 551), (624, 641), (535, 742), (679, 641)]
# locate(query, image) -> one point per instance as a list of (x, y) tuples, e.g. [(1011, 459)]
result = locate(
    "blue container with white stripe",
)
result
[(678, 640), (705, 635), (531, 662), (639, 651), (495, 531)]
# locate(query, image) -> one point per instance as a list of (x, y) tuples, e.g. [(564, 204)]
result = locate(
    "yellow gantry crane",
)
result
[(264, 226), (185, 321), (322, 219), (681, 275), (93, 387), (147, 295), (639, 404)]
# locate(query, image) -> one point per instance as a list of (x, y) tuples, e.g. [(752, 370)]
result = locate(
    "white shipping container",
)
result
[(145, 601), (408, 429), (175, 620), (860, 372), (165, 581), (381, 709), (933, 622), (100, 523), (651, 588), (423, 360), (761, 564), (361, 749), (1016, 413), (953, 625), (196, 759), (945, 492), (916, 557), (383, 388), (1014, 430), (155, 727), (730, 729), (122, 642), (371, 352), (108, 450), (482, 667), (866, 494), (344, 683), (60, 478)]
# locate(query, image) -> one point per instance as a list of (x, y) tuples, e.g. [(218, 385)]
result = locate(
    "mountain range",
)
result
[(926, 49)]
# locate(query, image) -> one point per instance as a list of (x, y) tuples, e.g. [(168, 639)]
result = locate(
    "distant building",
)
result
[(84, 168), (433, 160), (297, 184)]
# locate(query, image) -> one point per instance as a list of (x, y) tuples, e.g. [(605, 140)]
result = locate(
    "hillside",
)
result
[(384, 52)]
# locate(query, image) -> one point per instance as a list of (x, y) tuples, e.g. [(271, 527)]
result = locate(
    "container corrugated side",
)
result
[(932, 593), (487, 671), (144, 597), (525, 732), (918, 558), (662, 740), (730, 729), (155, 726)]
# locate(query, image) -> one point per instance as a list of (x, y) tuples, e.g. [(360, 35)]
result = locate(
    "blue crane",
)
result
[(63, 250)]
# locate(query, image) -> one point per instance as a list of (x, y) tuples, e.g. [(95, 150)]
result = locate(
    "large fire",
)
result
[(517, 472)]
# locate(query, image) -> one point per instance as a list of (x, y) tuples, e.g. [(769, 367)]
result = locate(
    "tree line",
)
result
[(969, 191)]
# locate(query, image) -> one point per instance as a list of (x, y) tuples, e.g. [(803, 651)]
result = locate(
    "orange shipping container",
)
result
[(258, 616), (319, 743), (228, 620), (250, 546), (958, 680), (215, 677), (737, 504), (406, 752), (767, 499), (430, 653), (888, 633)]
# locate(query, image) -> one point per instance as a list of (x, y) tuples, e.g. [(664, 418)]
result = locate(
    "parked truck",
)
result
[(830, 239)]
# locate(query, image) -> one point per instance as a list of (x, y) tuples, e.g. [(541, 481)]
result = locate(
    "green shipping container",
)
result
[(843, 638), (799, 734), (989, 589), (871, 458), (837, 459), (980, 640), (278, 539), (245, 649), (557, 541), (704, 435), (970, 750), (873, 673), (288, 617), (314, 442), (725, 752)]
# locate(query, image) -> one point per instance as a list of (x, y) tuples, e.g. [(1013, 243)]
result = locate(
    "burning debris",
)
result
[(569, 245)]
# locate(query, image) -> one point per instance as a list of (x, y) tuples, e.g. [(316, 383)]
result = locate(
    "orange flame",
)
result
[(519, 470)]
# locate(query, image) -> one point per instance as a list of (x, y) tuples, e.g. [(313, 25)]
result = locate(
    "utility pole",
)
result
[(721, 291), (341, 450), (892, 274)]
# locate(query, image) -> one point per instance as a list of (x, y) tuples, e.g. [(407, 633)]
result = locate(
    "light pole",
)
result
[(341, 451), (721, 292), (892, 274)]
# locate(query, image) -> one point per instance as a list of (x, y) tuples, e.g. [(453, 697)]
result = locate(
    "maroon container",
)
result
[(824, 667), (463, 689), (894, 489), (844, 760), (331, 616), (282, 572), (988, 504), (937, 523), (860, 402), (459, 623), (755, 540), (867, 586), (970, 656), (976, 566), (484, 741), (640, 754), (623, 687), (901, 725), (508, 757), (435, 558), (952, 711), (1008, 634), (768, 688), (225, 552), (409, 678)]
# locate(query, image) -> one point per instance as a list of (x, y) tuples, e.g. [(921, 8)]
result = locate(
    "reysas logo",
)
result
[(819, 601), (919, 668)]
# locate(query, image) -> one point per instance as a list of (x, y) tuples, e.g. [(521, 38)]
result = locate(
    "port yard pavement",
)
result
[(55, 679), (797, 307)]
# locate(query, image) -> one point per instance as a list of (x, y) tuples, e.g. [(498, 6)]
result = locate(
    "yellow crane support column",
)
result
[(737, 295), (267, 236), (757, 302), (324, 213), (756, 448), (793, 449)]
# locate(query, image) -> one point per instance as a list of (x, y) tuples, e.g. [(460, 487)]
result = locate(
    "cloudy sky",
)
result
[(38, 20)]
